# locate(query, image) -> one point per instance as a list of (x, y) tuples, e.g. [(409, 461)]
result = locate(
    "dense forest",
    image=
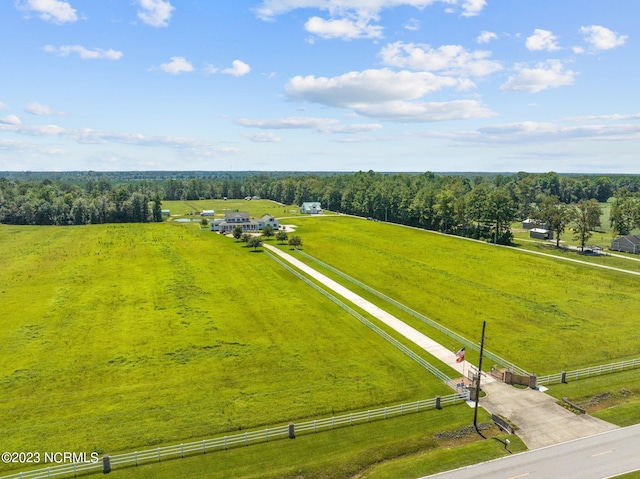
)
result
[(475, 205)]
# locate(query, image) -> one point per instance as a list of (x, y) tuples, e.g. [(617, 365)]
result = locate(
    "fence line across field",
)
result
[(584, 373), (419, 316), (243, 439)]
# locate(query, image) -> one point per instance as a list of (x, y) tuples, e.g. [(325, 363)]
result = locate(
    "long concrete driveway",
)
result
[(443, 354), (540, 420)]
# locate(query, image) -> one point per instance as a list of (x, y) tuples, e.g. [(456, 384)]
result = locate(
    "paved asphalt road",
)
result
[(601, 456)]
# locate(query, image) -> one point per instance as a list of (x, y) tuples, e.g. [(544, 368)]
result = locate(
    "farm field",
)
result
[(121, 337), (255, 208), (542, 314)]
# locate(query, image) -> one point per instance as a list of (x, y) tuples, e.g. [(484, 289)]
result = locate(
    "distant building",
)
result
[(242, 219), (311, 208), (628, 244), (540, 233), (530, 224), (165, 212), (207, 213)]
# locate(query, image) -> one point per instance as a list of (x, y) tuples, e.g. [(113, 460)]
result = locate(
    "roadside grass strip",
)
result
[(291, 430), (429, 367), (467, 343)]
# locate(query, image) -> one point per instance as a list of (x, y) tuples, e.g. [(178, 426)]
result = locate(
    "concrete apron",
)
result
[(540, 420)]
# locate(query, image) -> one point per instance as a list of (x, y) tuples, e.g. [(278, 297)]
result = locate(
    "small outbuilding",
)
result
[(207, 213), (541, 233), (627, 244), (311, 208)]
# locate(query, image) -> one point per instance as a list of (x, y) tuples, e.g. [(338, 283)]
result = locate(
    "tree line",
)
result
[(480, 206)]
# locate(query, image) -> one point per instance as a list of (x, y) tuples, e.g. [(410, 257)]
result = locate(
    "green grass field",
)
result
[(543, 314), (255, 208), (121, 337)]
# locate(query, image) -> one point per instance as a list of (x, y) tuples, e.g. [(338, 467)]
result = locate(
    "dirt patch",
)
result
[(462, 433)]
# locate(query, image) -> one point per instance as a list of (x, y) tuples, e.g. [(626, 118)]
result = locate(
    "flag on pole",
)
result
[(460, 356)]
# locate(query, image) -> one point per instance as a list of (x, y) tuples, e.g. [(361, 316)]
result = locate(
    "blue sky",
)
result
[(320, 85)]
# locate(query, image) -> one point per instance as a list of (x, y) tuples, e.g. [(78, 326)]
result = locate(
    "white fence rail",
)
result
[(588, 372), (469, 344), (243, 439)]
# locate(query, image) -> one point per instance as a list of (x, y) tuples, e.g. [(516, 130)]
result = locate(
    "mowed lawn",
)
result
[(543, 314), (121, 337)]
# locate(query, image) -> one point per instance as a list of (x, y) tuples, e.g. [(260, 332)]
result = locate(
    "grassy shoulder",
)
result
[(614, 398), (348, 451)]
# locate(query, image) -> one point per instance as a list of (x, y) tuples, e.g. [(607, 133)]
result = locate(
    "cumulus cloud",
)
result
[(39, 109), (471, 8), (542, 40), (345, 28), (351, 18), (176, 66), (155, 13), (486, 36), (550, 74), (84, 53), (368, 86), (54, 11), (601, 38), (448, 59), (10, 120), (386, 95), (238, 69)]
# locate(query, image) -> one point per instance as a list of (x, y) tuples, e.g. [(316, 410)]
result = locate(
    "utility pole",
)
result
[(475, 412)]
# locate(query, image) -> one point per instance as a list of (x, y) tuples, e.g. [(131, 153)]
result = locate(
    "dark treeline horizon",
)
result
[(479, 205)]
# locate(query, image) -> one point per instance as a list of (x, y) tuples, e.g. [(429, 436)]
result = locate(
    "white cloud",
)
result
[(412, 25), (601, 38), (3, 106), (10, 120), (351, 18), (322, 125), (405, 111), (262, 137), (550, 74), (238, 69), (155, 13), (176, 65), (486, 36), (84, 53), (542, 40), (471, 8), (368, 86), (54, 11), (91, 136), (535, 132), (345, 29), (39, 109), (387, 95), (449, 59)]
